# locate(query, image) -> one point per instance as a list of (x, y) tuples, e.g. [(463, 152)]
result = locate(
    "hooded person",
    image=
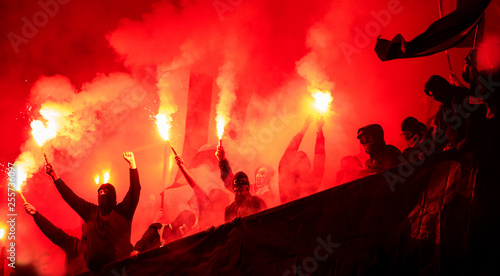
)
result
[(73, 247), (462, 123), (109, 224), (382, 156), (415, 132), (296, 176), (244, 203)]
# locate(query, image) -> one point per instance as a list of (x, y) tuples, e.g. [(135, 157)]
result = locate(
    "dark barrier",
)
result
[(372, 226)]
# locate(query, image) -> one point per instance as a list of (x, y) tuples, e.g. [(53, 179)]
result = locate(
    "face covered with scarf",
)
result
[(106, 197)]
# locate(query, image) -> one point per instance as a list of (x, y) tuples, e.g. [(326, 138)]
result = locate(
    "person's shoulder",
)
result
[(156, 225), (392, 149)]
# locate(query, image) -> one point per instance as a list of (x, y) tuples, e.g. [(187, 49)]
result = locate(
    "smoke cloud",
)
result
[(106, 69)]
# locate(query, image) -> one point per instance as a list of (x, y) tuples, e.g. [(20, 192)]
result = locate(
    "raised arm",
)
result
[(319, 155), (129, 203), (201, 196), (82, 207), (226, 173), (67, 243), (294, 145)]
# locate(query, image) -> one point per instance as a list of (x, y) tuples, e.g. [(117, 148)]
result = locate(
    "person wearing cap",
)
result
[(262, 184), (414, 132), (296, 176), (109, 224), (382, 156), (73, 247), (244, 203)]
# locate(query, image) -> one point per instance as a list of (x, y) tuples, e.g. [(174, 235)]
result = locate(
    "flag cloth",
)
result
[(441, 35)]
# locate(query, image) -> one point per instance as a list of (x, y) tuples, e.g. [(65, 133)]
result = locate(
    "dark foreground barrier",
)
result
[(415, 220)]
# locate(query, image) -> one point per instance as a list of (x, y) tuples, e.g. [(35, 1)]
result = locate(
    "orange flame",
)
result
[(42, 133), (163, 123), (323, 99), (2, 232), (221, 124), (106, 177)]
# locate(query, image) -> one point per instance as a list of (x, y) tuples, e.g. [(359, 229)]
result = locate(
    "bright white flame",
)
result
[(106, 177), (96, 179), (221, 124), (323, 100), (42, 133), (21, 175), (2, 232), (163, 124)]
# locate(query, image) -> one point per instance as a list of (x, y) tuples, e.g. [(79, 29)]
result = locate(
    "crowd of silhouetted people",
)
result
[(467, 120)]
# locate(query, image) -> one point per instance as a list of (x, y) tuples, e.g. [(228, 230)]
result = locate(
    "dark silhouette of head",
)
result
[(184, 222), (412, 130), (106, 197), (372, 138), (439, 88), (241, 187)]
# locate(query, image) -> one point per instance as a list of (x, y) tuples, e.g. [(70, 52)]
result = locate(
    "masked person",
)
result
[(263, 175), (262, 185), (461, 122), (108, 224), (73, 247), (415, 132), (244, 203), (382, 156), (295, 177), (160, 234)]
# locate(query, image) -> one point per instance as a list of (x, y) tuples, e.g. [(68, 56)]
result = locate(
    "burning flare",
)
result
[(163, 123), (21, 175), (221, 124), (2, 232), (106, 178), (42, 133), (323, 99)]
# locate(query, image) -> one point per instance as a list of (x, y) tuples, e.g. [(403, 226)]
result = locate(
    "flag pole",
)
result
[(446, 51)]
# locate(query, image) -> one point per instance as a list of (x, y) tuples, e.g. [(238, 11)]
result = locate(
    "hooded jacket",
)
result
[(108, 232)]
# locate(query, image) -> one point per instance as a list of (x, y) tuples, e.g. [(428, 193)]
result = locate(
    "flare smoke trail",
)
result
[(110, 67)]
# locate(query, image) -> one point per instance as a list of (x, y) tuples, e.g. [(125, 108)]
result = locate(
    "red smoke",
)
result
[(105, 62)]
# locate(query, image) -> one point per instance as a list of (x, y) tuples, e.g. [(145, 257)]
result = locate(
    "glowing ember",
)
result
[(163, 124), (42, 133), (221, 124), (2, 232), (323, 100), (96, 179), (106, 177)]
